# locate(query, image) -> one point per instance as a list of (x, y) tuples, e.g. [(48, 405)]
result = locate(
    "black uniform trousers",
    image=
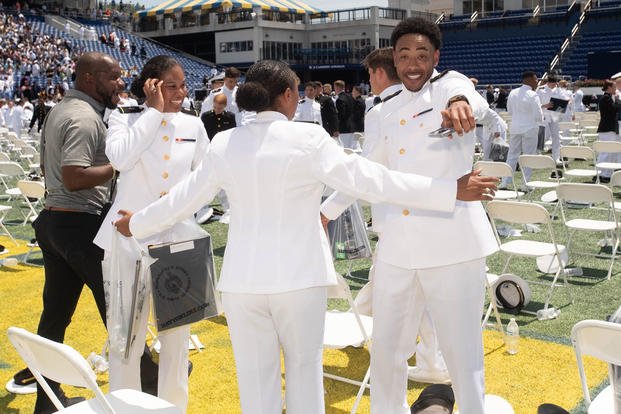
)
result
[(71, 260)]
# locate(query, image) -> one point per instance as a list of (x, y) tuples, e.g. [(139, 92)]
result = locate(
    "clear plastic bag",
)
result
[(126, 289), (348, 235)]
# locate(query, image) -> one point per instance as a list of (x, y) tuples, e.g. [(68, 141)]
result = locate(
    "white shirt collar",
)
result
[(269, 116), (390, 90)]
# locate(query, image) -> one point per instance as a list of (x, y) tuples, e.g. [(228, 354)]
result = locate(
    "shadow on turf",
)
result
[(5, 401)]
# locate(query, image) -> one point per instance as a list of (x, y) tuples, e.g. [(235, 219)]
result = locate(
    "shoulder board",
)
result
[(302, 101), (130, 109), (435, 78), (192, 112), (216, 90), (389, 97)]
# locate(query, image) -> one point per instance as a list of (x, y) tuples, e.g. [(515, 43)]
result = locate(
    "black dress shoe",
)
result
[(551, 409), (435, 394)]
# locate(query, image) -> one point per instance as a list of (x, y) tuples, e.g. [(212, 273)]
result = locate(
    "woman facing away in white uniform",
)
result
[(153, 146), (277, 265)]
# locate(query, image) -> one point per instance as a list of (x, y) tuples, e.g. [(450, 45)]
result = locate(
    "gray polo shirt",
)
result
[(74, 134)]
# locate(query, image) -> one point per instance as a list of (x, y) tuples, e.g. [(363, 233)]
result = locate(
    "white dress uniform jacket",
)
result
[(524, 106), (274, 173), (414, 238), (308, 111), (148, 151)]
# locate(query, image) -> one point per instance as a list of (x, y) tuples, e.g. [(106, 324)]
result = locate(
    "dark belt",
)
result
[(67, 210)]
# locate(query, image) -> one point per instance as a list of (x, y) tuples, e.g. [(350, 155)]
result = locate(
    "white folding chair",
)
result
[(592, 194), (343, 329), (539, 162), (32, 190), (606, 147), (11, 171), (4, 157), (527, 213), (602, 340), (64, 364), (615, 181), (500, 170), (4, 210), (573, 152)]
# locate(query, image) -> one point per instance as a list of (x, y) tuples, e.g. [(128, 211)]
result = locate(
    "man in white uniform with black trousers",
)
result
[(427, 260)]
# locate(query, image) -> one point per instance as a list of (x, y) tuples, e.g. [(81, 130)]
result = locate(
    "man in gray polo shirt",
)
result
[(77, 178)]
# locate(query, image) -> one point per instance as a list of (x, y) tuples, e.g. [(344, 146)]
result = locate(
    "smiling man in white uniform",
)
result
[(425, 259)]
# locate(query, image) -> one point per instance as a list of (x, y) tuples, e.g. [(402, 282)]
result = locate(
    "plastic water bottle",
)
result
[(512, 337), (99, 363)]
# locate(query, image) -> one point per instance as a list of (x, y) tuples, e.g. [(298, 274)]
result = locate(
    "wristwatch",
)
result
[(457, 98)]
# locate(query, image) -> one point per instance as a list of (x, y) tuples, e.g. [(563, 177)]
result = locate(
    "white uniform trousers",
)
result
[(454, 296), (519, 144), (259, 325), (553, 132), (428, 355), (172, 384), (607, 156)]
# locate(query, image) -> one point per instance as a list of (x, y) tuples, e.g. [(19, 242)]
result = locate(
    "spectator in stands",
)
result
[(608, 128), (526, 115), (268, 307), (359, 109), (77, 174), (136, 137), (345, 109), (103, 38), (329, 117), (143, 52)]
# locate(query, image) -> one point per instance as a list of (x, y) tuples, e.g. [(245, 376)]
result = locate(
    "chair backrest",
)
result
[(607, 146), (4, 157), (599, 339), (586, 193), (32, 189), (56, 361), (518, 212), (615, 179), (577, 151), (494, 169), (536, 162), (11, 169)]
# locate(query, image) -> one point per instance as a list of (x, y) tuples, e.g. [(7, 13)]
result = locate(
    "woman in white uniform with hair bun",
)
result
[(277, 264), (153, 146)]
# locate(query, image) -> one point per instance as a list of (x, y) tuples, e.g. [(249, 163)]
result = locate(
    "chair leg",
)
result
[(614, 254), (365, 381), (558, 272), (504, 269)]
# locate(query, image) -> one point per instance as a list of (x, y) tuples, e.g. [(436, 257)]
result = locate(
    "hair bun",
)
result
[(252, 96)]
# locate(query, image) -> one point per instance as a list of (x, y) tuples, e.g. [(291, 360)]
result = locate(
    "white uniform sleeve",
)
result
[(494, 122), (125, 144), (361, 178), (202, 141), (373, 149), (457, 84), (207, 103), (182, 201), (537, 110)]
